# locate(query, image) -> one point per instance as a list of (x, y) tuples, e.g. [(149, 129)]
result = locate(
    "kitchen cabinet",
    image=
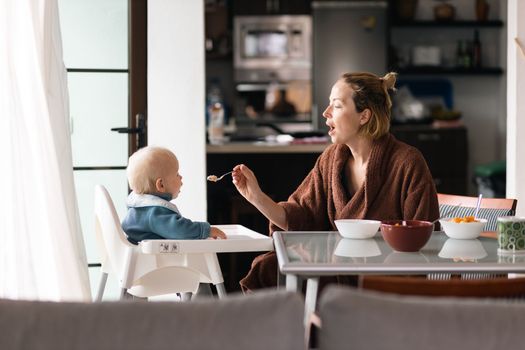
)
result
[(444, 149), (218, 30), (271, 7)]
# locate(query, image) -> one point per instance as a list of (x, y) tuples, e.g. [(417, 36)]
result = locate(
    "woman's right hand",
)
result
[(246, 183)]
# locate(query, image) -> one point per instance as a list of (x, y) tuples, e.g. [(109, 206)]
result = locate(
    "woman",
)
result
[(365, 174)]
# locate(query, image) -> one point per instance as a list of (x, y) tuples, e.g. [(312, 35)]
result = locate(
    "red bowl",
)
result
[(406, 235)]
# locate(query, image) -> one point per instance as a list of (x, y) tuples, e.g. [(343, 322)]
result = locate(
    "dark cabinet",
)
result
[(279, 174), (271, 7), (445, 151)]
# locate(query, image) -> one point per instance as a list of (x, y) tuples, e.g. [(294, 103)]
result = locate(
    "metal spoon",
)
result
[(214, 178)]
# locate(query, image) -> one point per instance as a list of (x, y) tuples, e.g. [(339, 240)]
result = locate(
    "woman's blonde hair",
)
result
[(371, 91), (147, 165)]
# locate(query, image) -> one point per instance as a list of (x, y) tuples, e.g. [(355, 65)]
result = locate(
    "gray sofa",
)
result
[(350, 319)]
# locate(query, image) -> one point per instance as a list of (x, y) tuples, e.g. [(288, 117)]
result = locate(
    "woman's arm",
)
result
[(246, 183)]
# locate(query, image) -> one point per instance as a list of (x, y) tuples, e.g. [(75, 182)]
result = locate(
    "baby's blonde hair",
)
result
[(147, 165)]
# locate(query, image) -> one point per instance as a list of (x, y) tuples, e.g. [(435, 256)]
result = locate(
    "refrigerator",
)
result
[(348, 36)]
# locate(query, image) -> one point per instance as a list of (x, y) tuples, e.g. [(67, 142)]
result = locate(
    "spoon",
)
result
[(477, 206), (214, 178)]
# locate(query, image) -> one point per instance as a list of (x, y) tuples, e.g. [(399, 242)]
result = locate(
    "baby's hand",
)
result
[(215, 233)]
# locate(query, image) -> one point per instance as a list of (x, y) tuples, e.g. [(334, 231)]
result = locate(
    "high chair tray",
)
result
[(240, 239)]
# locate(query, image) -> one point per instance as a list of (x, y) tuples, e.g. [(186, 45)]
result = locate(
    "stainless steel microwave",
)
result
[(272, 48)]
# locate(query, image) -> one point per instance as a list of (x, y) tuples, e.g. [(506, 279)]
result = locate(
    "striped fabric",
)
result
[(484, 213), (463, 276)]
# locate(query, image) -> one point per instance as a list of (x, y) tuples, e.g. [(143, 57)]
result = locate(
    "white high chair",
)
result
[(147, 274)]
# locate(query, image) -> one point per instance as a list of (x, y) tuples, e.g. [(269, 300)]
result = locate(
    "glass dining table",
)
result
[(312, 254)]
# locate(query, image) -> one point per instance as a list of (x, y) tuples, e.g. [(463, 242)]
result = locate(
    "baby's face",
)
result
[(172, 179)]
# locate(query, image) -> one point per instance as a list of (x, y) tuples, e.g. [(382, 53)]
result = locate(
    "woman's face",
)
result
[(341, 116)]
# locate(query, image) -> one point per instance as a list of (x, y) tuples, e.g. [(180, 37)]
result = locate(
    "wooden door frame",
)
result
[(138, 64)]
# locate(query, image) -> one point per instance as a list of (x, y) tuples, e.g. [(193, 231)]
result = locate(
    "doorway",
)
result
[(105, 51)]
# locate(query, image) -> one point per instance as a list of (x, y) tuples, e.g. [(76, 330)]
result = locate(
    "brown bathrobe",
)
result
[(398, 185)]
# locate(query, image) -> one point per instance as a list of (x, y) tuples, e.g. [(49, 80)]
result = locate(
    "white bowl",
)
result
[(462, 249), (353, 248), (463, 230), (357, 229)]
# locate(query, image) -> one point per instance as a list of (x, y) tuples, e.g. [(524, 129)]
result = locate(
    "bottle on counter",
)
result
[(215, 114), (216, 123), (476, 50), (213, 96)]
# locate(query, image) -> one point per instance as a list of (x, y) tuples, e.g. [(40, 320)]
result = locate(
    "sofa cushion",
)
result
[(353, 319), (265, 320)]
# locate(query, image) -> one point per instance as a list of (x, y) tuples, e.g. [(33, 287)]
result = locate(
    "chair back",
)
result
[(112, 242), (371, 320), (490, 208), (263, 320)]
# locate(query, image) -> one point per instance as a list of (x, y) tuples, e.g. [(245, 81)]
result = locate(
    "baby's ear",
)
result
[(159, 185)]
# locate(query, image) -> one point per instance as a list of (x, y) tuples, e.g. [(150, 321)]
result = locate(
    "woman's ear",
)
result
[(365, 116), (159, 185)]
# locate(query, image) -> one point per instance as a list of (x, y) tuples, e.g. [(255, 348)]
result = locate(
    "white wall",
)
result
[(516, 105), (176, 93)]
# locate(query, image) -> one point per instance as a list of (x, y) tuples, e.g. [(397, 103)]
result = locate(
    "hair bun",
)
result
[(389, 80)]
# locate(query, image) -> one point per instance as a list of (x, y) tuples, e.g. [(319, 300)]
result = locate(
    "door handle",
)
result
[(140, 130), (127, 130)]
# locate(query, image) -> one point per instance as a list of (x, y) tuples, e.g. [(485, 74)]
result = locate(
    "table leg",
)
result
[(312, 285), (292, 284), (281, 280)]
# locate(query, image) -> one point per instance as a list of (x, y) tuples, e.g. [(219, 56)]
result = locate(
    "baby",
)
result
[(153, 175)]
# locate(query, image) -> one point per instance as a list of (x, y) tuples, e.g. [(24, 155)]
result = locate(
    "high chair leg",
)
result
[(204, 290), (221, 291), (186, 296), (122, 295), (101, 286)]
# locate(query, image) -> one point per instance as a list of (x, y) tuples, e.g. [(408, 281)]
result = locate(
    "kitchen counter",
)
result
[(265, 147)]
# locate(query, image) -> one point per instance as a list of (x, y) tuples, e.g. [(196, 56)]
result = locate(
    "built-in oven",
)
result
[(273, 69), (272, 48)]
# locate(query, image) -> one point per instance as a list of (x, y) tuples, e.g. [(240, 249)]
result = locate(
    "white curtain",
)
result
[(42, 253)]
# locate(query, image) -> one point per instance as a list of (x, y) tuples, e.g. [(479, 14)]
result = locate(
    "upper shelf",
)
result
[(447, 24), (451, 70)]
